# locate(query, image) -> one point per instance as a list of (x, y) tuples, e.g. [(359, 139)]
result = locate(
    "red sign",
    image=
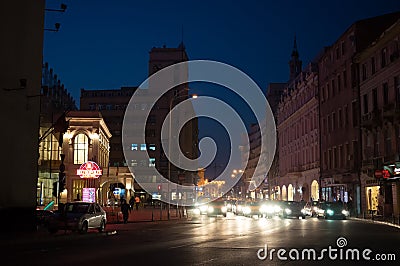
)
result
[(89, 170), (385, 173)]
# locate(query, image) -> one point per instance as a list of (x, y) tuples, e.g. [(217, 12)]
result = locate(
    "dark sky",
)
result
[(105, 44)]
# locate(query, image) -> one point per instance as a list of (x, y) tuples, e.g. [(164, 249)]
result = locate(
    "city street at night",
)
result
[(234, 240)]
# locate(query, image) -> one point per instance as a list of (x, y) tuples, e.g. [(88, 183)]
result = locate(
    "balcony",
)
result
[(371, 120)]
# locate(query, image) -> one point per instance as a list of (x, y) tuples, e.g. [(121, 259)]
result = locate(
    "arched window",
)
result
[(81, 148)]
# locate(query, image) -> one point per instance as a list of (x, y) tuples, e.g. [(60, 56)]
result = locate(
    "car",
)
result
[(311, 208), (252, 208), (217, 207), (332, 210), (42, 218), (78, 216), (292, 209), (269, 208)]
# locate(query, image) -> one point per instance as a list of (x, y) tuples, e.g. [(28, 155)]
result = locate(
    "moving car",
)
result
[(78, 216), (252, 208), (238, 207), (217, 207), (332, 210), (269, 208), (292, 209)]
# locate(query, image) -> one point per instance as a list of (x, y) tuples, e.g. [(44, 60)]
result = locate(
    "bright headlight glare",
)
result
[(246, 210), (224, 209), (203, 208), (288, 211), (210, 209), (345, 212), (329, 212)]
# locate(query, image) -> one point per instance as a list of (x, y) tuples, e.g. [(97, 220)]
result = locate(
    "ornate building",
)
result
[(379, 74)]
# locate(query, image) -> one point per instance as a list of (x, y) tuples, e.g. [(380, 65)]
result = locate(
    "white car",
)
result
[(78, 216)]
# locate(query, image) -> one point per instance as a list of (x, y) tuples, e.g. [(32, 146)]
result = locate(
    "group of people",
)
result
[(127, 208)]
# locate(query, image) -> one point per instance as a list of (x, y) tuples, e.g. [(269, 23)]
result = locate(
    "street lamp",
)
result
[(169, 150)]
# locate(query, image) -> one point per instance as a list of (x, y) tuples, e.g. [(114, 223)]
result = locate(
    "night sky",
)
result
[(105, 44)]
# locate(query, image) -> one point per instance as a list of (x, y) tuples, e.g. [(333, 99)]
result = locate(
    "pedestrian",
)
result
[(125, 208), (131, 202), (137, 202)]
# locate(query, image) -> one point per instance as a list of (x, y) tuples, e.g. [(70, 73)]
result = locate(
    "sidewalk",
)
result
[(379, 219), (148, 214)]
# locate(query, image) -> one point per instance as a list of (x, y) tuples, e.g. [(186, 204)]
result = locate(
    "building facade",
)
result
[(340, 111), (298, 131), (379, 74)]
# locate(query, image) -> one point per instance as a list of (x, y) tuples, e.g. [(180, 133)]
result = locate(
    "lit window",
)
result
[(152, 162), (134, 147), (81, 148), (152, 147), (142, 147), (134, 163)]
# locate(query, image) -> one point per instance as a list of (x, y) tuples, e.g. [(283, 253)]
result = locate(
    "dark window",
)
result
[(373, 67), (345, 78), (365, 100), (338, 83), (383, 57), (354, 113), (374, 99), (364, 72), (385, 93), (333, 87), (343, 48)]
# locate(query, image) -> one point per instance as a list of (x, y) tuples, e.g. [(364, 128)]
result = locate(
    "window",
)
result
[(328, 93), (365, 100), (329, 124), (346, 116), (323, 94), (333, 121), (388, 143), (81, 148), (333, 87), (373, 66), (335, 158), (329, 159), (345, 78), (343, 48), (340, 161), (354, 113), (374, 99), (340, 121), (385, 93), (142, 147), (364, 72), (134, 147), (383, 57), (152, 147), (338, 83)]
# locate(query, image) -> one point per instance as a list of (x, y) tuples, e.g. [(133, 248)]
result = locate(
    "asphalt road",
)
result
[(212, 241)]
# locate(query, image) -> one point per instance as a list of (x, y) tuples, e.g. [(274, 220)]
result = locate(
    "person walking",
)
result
[(125, 208), (137, 202)]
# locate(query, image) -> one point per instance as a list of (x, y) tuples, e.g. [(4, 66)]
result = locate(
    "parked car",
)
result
[(43, 217), (78, 216), (292, 209), (332, 210), (217, 207), (311, 208)]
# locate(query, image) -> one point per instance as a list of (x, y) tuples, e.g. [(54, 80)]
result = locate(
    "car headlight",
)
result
[(246, 210), (229, 205), (288, 211), (239, 208), (330, 212), (303, 211), (196, 211), (277, 209), (263, 208), (210, 209), (203, 208), (346, 213), (224, 209)]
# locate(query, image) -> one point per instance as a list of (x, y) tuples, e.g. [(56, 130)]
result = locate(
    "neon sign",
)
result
[(89, 194), (89, 170)]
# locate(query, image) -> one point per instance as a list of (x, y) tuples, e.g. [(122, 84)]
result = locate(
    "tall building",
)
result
[(113, 103), (298, 134), (21, 52), (379, 75), (340, 110)]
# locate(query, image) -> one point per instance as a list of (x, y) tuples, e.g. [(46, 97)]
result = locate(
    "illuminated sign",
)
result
[(89, 170), (89, 194)]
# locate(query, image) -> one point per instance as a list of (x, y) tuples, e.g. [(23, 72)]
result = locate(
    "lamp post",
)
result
[(169, 151)]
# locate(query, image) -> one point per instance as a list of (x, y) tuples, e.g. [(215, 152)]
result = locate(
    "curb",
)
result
[(374, 222)]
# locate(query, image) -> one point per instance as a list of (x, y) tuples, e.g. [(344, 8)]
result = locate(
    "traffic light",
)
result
[(61, 181), (55, 189)]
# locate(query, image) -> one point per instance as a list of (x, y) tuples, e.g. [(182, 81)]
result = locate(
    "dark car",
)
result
[(78, 216), (42, 218), (292, 209), (332, 210), (217, 207), (252, 208)]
